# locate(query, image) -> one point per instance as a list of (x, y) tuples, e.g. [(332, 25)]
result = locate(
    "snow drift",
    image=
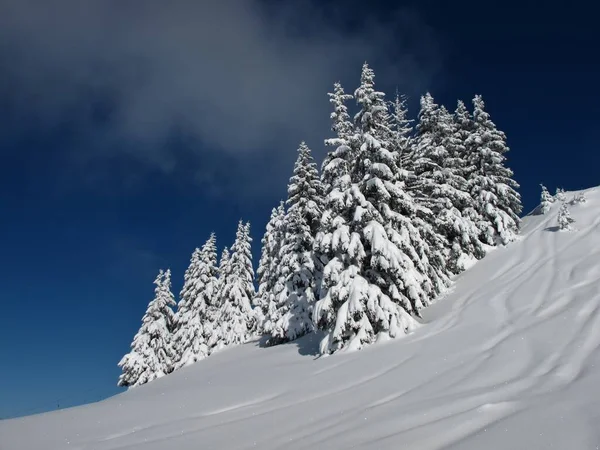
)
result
[(509, 359)]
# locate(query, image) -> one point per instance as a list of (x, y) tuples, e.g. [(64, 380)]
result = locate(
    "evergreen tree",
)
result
[(341, 121), (564, 218), (441, 187), (268, 267), (561, 196), (305, 192), (236, 318), (198, 290), (401, 136), (151, 354), (491, 184), (374, 278), (211, 327), (299, 269), (546, 200), (579, 198), (343, 128)]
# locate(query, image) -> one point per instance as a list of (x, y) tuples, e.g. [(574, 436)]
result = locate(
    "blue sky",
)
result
[(122, 151)]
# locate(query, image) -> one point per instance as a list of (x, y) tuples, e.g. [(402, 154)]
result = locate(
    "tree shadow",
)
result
[(307, 345), (552, 229)]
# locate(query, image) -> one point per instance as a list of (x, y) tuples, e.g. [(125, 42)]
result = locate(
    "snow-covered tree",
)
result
[(291, 315), (236, 318), (199, 286), (268, 267), (564, 218), (546, 200), (344, 129), (561, 196), (211, 327), (341, 120), (305, 192), (579, 198), (375, 275), (151, 354), (299, 269), (440, 186), (491, 183), (401, 135)]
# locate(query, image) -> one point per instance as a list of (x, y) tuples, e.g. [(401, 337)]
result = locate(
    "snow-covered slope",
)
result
[(509, 360)]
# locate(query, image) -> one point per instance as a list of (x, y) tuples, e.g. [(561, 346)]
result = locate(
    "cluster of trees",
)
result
[(564, 218), (356, 250)]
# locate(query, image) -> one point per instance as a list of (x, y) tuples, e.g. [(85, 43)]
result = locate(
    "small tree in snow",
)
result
[(560, 195), (578, 198), (546, 200), (564, 218), (198, 289), (151, 354)]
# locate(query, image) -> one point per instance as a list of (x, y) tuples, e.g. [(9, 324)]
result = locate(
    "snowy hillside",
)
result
[(509, 360)]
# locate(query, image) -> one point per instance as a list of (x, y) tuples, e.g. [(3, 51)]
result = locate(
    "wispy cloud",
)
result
[(236, 75)]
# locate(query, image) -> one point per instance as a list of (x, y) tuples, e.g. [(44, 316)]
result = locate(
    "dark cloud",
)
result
[(238, 75)]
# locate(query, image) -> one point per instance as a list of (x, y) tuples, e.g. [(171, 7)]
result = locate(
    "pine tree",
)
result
[(237, 319), (212, 326), (198, 290), (268, 267), (374, 278), (491, 184), (561, 196), (546, 200), (299, 270), (564, 218), (151, 354)]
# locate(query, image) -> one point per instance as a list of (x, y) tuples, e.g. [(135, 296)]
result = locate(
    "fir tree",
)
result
[(211, 327), (561, 196), (151, 354), (341, 121), (268, 266), (198, 290), (579, 198), (374, 278), (299, 269), (401, 135), (564, 218), (343, 128), (546, 200), (236, 318), (491, 184), (441, 187), (305, 192)]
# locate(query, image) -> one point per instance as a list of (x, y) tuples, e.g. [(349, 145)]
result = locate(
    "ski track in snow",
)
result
[(509, 358)]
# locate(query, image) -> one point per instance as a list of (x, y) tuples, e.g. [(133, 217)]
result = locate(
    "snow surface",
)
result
[(510, 359)]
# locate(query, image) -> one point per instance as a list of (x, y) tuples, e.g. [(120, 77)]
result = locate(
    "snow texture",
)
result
[(509, 360)]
